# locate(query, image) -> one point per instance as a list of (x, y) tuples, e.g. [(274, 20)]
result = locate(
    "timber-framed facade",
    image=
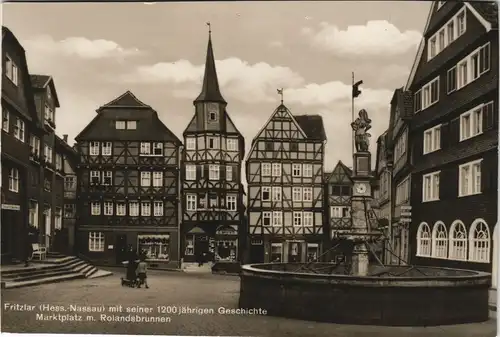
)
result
[(338, 192), (285, 204), (212, 190), (128, 185)]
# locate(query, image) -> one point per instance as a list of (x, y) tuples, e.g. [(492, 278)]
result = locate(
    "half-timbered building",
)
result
[(337, 192), (284, 171), (19, 121), (128, 184), (212, 192), (454, 136)]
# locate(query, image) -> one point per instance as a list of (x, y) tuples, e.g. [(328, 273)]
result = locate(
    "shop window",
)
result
[(276, 252), (155, 247)]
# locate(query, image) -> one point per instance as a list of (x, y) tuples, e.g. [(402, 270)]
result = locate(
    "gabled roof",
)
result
[(339, 168), (210, 91), (312, 125), (41, 82), (126, 100), (127, 107), (485, 12)]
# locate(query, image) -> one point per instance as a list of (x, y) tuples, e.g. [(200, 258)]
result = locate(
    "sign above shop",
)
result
[(226, 231), (11, 207)]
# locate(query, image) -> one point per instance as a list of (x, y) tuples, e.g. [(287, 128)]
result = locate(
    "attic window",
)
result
[(212, 116), (440, 4), (11, 70), (120, 125), (126, 125)]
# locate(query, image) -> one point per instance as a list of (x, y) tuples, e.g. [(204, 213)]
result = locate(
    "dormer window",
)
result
[(120, 125), (126, 125), (49, 115), (49, 93), (11, 70)]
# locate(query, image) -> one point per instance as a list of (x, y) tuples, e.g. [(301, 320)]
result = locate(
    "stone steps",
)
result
[(55, 268)]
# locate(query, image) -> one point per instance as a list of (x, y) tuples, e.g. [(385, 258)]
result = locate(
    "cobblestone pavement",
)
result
[(179, 289)]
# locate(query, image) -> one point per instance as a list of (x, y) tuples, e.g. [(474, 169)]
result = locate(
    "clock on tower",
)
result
[(361, 189)]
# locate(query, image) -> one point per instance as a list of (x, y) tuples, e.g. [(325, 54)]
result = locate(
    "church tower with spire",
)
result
[(212, 192)]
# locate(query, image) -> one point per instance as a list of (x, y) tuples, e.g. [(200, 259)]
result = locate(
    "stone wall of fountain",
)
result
[(398, 296)]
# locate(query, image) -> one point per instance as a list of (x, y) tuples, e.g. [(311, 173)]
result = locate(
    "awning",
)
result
[(153, 236), (196, 230)]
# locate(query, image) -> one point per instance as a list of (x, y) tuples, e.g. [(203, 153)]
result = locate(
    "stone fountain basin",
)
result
[(442, 296)]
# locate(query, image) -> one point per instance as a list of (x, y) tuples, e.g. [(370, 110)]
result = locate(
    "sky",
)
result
[(97, 51)]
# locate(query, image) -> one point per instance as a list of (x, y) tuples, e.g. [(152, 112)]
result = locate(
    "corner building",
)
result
[(212, 192), (454, 138), (128, 185), (285, 189)]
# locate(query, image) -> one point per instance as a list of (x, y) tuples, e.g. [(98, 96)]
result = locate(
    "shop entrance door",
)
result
[(295, 250)]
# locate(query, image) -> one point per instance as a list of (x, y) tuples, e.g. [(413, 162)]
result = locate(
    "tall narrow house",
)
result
[(19, 123), (128, 185), (285, 188), (212, 192), (337, 192), (48, 155), (454, 138)]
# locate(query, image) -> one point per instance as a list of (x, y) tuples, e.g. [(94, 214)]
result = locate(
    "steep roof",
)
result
[(30, 112), (40, 82), (127, 107), (210, 91), (337, 173), (312, 125), (488, 10)]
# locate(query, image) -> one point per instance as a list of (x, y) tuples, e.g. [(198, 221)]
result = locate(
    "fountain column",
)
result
[(360, 206)]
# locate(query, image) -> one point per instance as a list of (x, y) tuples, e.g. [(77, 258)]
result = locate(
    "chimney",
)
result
[(65, 138)]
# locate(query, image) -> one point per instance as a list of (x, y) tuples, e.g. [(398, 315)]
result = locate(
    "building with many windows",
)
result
[(285, 204), (453, 136), (212, 192), (19, 123), (128, 185), (48, 153)]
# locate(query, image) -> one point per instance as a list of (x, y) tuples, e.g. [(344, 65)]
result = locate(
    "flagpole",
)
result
[(352, 116)]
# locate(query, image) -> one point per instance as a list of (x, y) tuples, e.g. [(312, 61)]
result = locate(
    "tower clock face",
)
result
[(361, 188)]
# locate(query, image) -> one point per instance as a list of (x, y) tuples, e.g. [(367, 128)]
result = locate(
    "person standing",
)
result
[(141, 271)]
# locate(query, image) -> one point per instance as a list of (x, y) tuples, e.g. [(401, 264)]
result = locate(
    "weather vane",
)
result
[(280, 92), (209, 27)]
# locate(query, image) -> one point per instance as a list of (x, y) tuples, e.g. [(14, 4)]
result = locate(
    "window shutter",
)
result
[(485, 175), (445, 131), (206, 168), (222, 170), (199, 173), (489, 116), (454, 131)]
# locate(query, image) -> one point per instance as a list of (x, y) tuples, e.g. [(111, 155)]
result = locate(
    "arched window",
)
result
[(479, 242), (439, 241), (423, 240), (458, 241)]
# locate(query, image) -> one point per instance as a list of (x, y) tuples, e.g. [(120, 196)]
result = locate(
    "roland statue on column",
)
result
[(361, 196)]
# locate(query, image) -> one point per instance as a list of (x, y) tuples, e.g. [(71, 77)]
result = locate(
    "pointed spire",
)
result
[(210, 91)]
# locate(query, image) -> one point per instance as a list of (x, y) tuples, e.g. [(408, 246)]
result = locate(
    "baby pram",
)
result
[(131, 279)]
